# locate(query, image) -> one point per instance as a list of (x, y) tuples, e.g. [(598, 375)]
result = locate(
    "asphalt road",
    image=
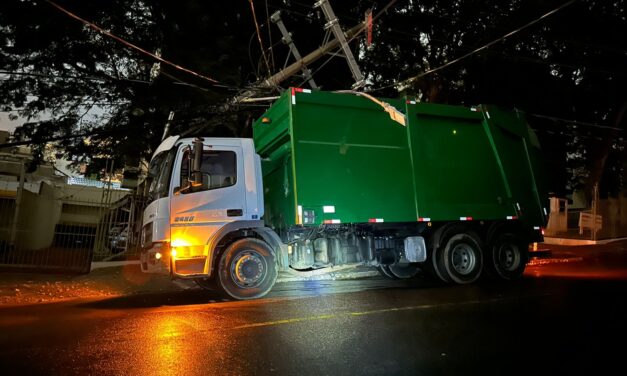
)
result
[(562, 318)]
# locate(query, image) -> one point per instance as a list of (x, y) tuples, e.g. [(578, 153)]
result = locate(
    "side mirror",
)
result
[(196, 175)]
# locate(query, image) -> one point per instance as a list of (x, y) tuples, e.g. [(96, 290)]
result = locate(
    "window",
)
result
[(218, 170), (160, 172)]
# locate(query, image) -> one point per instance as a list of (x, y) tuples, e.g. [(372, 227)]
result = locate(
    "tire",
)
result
[(435, 265), (462, 258), (508, 257), (404, 271), (247, 269), (384, 270)]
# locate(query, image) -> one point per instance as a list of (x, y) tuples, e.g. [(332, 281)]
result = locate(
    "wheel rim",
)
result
[(463, 258), (248, 269), (509, 257)]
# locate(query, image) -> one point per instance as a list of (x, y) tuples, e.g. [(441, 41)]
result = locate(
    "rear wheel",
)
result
[(508, 257), (436, 265), (462, 260), (247, 269)]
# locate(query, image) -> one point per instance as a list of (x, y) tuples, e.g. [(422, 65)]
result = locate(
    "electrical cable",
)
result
[(363, 27), (485, 46), (131, 45), (270, 36), (263, 52), (574, 122)]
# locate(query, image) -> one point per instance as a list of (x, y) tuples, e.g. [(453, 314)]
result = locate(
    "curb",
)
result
[(109, 264), (576, 242)]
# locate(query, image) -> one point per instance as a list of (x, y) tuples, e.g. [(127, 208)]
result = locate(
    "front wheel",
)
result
[(247, 269)]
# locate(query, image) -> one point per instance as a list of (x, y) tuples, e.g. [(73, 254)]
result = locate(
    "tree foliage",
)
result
[(566, 71)]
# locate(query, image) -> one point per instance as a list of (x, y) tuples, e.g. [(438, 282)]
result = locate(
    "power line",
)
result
[(269, 35), (374, 18), (485, 46), (131, 45), (263, 52), (574, 122)]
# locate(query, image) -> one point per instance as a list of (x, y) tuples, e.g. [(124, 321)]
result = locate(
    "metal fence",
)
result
[(64, 231)]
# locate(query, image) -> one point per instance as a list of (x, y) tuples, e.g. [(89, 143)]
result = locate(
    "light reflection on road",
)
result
[(578, 268)]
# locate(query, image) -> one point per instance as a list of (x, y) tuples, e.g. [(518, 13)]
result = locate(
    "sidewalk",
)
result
[(108, 279), (116, 278), (120, 279)]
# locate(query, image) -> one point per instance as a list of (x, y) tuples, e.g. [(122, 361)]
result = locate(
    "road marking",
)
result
[(380, 311), (286, 321)]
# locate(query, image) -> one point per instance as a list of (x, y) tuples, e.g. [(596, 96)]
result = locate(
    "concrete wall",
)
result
[(39, 213)]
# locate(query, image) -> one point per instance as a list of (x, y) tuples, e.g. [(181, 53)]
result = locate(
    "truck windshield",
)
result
[(160, 172), (218, 170)]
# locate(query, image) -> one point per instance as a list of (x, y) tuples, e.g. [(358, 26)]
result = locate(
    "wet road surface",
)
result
[(562, 318)]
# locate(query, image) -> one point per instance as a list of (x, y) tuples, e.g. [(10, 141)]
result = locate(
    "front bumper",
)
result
[(159, 258), (156, 259)]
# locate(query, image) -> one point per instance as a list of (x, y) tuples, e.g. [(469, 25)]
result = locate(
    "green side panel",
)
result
[(273, 144), (520, 156), (457, 172), (335, 150), (350, 155), (344, 152)]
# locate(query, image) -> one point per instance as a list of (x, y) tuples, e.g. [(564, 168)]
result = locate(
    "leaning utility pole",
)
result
[(334, 25), (287, 39), (295, 67)]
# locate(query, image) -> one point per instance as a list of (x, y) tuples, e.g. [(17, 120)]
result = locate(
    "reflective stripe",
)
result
[(331, 221), (299, 219)]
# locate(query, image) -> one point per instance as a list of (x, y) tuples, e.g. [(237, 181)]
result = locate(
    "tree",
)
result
[(564, 67), (566, 71)]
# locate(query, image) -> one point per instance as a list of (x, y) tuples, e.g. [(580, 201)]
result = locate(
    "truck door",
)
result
[(199, 211)]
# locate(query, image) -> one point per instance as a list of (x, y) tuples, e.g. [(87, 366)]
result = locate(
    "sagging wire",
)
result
[(131, 45), (263, 52), (485, 46)]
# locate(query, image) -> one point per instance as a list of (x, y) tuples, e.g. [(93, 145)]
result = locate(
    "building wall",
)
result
[(39, 213)]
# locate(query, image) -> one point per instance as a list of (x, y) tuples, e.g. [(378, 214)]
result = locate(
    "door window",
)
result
[(219, 170)]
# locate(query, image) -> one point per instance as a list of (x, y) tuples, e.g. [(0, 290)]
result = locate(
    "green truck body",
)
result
[(330, 158)]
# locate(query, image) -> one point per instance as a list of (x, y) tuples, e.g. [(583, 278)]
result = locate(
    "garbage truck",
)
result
[(334, 180)]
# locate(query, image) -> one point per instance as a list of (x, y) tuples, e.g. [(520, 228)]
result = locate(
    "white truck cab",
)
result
[(205, 195)]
